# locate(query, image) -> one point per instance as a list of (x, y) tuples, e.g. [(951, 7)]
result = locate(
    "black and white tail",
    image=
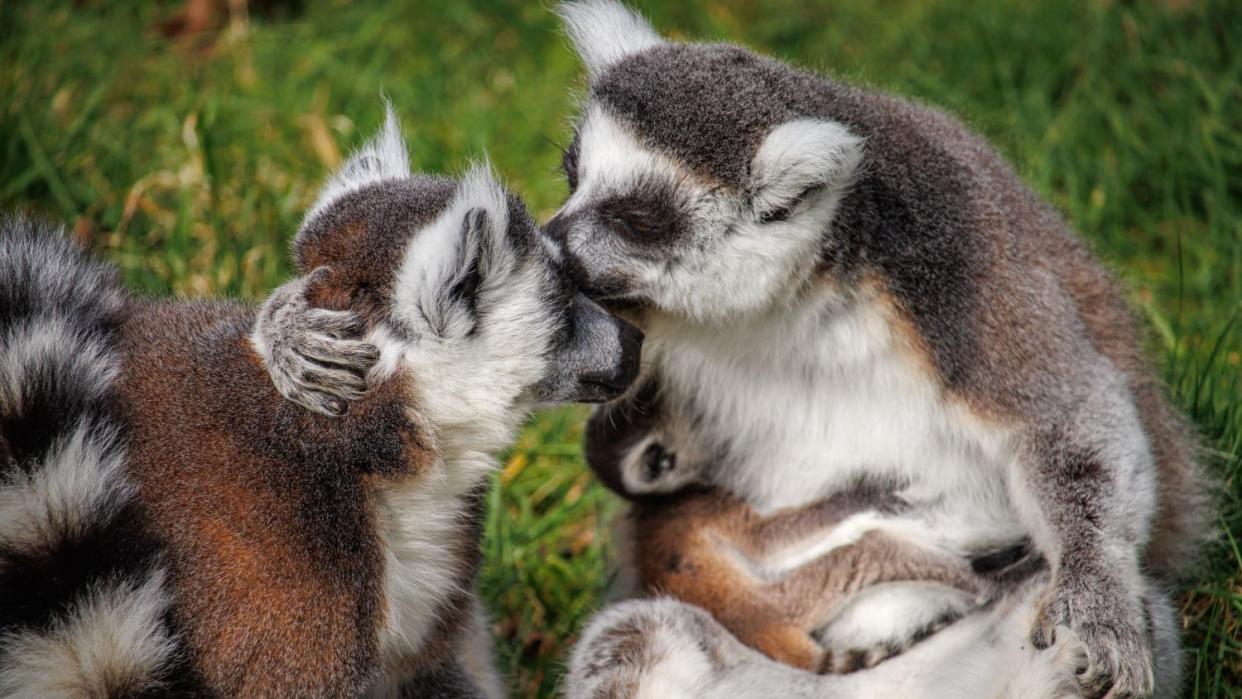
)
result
[(83, 604)]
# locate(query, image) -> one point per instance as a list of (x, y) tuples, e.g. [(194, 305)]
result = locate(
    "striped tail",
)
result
[(83, 603)]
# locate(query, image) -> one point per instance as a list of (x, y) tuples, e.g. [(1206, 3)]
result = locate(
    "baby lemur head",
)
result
[(702, 177), (457, 288), (639, 450)]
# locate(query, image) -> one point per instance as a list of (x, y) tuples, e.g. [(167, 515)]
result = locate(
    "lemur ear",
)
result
[(383, 157), (449, 261), (799, 158), (605, 31)]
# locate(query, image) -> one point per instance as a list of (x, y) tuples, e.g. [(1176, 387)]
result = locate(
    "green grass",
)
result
[(191, 169)]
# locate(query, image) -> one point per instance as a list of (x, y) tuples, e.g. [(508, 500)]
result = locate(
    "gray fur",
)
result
[(1016, 318)]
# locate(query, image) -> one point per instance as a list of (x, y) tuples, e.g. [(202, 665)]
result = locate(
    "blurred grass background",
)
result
[(190, 161)]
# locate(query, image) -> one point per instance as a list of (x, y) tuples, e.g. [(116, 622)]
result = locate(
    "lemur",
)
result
[(763, 577), (170, 526), (839, 283)]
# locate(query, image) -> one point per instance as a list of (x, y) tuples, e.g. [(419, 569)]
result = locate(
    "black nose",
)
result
[(617, 379)]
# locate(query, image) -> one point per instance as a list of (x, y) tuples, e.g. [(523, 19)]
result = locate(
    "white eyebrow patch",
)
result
[(611, 156)]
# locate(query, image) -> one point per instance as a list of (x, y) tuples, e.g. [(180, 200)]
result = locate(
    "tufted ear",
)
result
[(383, 157), (453, 257), (605, 31), (797, 159)]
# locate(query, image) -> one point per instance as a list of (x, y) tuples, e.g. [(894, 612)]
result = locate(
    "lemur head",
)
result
[(639, 449), (456, 285), (702, 183)]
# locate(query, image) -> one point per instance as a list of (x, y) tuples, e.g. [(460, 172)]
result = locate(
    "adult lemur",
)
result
[(169, 526), (840, 283)]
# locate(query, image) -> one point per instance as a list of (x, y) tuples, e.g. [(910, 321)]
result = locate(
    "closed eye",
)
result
[(633, 226), (784, 212)]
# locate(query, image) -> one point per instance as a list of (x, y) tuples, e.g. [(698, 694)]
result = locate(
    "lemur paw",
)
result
[(309, 352), (1110, 627)]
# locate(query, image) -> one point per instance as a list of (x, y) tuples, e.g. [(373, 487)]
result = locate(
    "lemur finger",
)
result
[(285, 375), (343, 324), (321, 403), (354, 355), (341, 383)]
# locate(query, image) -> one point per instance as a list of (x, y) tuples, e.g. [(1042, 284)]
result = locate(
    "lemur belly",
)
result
[(804, 407)]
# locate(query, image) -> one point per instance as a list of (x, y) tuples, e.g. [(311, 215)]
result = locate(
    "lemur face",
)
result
[(699, 187), (454, 280)]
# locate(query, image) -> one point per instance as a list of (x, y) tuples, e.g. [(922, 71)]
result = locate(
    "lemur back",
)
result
[(170, 524)]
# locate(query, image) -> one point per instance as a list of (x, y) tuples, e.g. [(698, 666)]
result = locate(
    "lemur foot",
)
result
[(644, 648), (1110, 626), (844, 661), (310, 352)]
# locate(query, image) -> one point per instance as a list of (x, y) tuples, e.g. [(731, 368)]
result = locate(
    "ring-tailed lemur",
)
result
[(837, 279), (170, 525), (841, 283)]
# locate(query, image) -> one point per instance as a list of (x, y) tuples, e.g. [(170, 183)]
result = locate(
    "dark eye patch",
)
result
[(647, 214)]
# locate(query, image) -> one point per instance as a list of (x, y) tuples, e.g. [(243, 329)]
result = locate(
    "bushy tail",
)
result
[(82, 594)]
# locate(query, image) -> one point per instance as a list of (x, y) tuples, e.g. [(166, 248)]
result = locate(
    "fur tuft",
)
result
[(604, 31), (384, 157)]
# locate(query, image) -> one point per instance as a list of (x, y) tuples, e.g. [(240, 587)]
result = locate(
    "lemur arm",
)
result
[(313, 355), (1086, 489)]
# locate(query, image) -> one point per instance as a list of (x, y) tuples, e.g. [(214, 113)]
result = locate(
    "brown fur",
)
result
[(698, 548), (265, 508)]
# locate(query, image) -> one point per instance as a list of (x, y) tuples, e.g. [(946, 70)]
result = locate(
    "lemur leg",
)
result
[(311, 353), (1088, 494), (792, 525), (812, 593), (652, 649)]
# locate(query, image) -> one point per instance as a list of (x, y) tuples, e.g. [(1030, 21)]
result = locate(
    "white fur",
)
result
[(113, 639), (604, 32), (802, 153), (384, 157), (470, 392), (435, 254), (728, 242), (80, 482), (960, 661), (30, 348), (879, 613), (827, 393)]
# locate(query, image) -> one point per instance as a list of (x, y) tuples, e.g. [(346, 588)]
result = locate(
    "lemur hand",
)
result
[(1108, 619), (311, 353)]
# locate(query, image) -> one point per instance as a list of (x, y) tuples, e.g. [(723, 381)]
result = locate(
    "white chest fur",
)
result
[(422, 522), (809, 400)]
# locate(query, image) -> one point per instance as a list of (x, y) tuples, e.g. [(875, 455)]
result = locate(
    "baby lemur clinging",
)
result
[(170, 526), (775, 581)]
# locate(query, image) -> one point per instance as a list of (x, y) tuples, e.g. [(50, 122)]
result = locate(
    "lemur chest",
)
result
[(429, 528), (800, 413)]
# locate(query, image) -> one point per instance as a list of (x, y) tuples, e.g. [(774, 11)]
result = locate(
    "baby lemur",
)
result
[(776, 582), (712, 550), (170, 526)]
